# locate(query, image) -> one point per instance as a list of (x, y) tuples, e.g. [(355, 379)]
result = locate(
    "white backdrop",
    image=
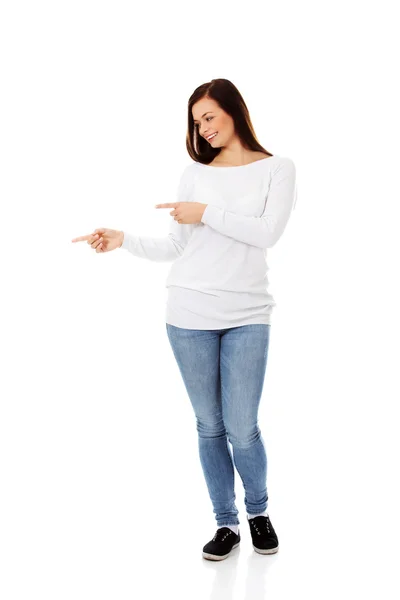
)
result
[(102, 493)]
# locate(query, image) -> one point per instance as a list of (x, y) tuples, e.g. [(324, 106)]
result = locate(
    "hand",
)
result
[(103, 240), (185, 212)]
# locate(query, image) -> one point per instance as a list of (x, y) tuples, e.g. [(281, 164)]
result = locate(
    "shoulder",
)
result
[(287, 161), (187, 177), (189, 168), (283, 164)]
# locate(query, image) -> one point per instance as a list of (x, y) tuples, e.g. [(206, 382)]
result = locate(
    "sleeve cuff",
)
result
[(206, 214), (210, 214), (125, 241)]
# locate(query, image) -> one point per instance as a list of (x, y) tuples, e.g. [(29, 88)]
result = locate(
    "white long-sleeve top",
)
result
[(218, 278)]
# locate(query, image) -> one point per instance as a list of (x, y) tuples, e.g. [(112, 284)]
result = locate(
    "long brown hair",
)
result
[(226, 94)]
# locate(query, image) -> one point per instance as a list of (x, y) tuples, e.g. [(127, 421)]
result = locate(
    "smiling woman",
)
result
[(233, 203)]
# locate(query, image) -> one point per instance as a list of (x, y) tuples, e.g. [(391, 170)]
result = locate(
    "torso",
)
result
[(254, 156)]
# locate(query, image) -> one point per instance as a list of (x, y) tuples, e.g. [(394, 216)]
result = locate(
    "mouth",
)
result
[(212, 137)]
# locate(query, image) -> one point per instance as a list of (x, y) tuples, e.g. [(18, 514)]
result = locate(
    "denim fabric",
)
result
[(223, 371)]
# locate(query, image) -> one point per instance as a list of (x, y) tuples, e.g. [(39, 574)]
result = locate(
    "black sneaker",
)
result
[(265, 540), (221, 545)]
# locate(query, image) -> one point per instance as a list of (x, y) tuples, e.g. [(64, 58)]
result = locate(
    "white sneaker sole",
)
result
[(268, 551)]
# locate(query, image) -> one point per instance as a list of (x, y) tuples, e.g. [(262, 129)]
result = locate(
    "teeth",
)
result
[(213, 135)]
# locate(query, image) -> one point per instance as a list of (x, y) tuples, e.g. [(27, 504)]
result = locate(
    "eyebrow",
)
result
[(206, 113)]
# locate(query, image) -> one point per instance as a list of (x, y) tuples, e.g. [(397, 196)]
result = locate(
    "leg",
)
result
[(197, 354), (243, 356)]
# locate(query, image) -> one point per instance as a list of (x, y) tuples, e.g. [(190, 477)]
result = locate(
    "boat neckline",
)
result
[(237, 166)]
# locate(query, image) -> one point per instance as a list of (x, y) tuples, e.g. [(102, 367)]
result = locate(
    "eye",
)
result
[(197, 124)]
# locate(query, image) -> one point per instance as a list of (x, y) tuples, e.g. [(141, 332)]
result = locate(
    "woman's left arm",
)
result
[(266, 230)]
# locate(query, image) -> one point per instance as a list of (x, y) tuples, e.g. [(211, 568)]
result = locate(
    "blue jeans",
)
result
[(223, 371)]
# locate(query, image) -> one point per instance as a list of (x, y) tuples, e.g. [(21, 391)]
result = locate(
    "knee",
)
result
[(243, 437), (210, 426)]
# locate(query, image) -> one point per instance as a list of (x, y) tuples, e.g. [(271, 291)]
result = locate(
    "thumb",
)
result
[(101, 230)]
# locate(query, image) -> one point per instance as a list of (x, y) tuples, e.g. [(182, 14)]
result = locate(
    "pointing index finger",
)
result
[(82, 238)]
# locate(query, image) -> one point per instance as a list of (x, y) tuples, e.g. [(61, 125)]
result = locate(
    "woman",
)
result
[(234, 201)]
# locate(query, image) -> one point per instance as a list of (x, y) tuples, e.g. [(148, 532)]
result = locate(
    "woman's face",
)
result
[(209, 118)]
